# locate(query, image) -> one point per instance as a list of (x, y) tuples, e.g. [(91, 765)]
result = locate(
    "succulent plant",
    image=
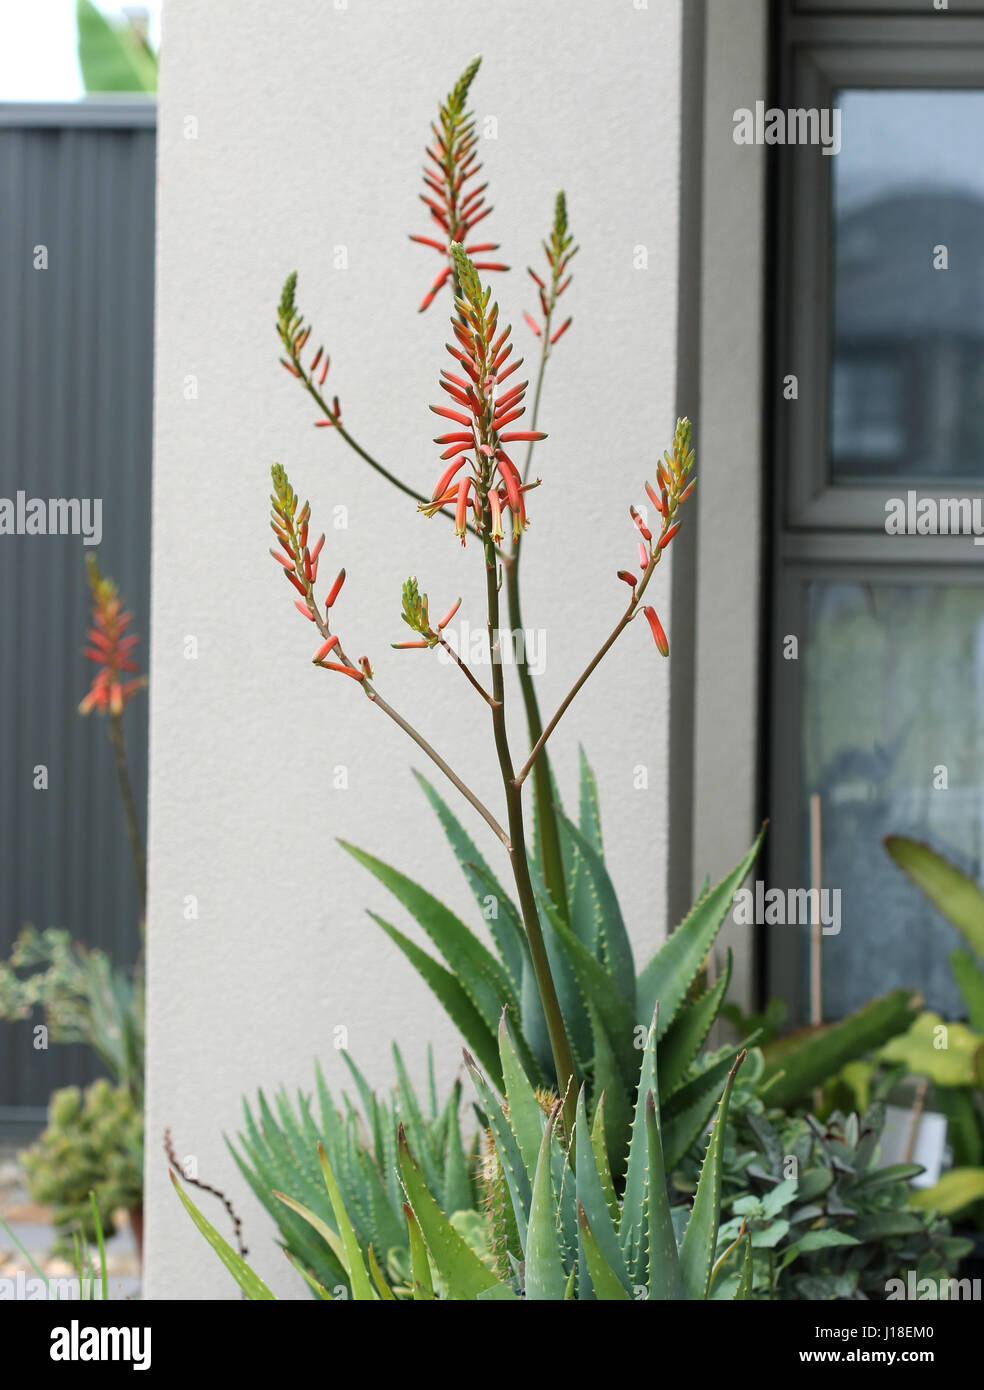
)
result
[(93, 1143), (571, 1235), (825, 1220), (277, 1154)]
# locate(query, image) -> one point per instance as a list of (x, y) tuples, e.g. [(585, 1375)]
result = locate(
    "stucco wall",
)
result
[(287, 132)]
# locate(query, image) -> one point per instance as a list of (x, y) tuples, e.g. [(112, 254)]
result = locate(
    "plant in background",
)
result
[(93, 1143), (824, 1218), (277, 1153), (567, 1233), (114, 56)]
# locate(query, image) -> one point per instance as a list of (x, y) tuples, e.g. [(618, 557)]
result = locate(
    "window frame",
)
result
[(820, 531)]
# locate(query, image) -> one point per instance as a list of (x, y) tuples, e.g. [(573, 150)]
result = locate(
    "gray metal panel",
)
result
[(76, 349)]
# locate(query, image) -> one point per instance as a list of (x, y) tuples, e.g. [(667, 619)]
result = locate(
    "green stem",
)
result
[(567, 1083), (129, 811)]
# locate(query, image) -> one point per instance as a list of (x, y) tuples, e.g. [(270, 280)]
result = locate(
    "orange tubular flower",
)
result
[(560, 251), (455, 203), (300, 565), (483, 411), (659, 636), (109, 649)]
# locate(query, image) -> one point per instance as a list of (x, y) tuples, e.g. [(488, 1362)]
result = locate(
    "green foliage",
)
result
[(84, 998), (277, 1153), (569, 1237), (607, 1005), (114, 57), (93, 1144), (796, 1065), (823, 1219)]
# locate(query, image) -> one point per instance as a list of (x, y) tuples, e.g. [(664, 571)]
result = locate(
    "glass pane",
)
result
[(907, 378), (893, 708)]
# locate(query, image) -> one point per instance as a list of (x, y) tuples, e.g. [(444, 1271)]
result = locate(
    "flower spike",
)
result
[(456, 204), (109, 648)]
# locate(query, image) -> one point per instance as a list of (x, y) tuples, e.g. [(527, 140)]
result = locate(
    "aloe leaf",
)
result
[(589, 810), (605, 1282), (688, 1110), (420, 1270), (796, 1064), (599, 1144), (970, 982), (510, 1157), (359, 1282), (250, 1283), (592, 1200), (632, 1227), (506, 926), (611, 940), (608, 1081), (315, 1285), (747, 1281), (598, 987), (317, 1223), (672, 970), (699, 1242), (526, 1118), (457, 1264), (951, 891), (664, 1263), (455, 1000), (386, 1294), (457, 1193), (545, 1274), (687, 1034), (482, 977)]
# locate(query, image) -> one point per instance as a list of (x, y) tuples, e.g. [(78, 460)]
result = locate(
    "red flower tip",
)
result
[(627, 577), (668, 535), (335, 589), (659, 636), (647, 535), (449, 615), (303, 608), (643, 557), (561, 330), (532, 323), (345, 670), (323, 651)]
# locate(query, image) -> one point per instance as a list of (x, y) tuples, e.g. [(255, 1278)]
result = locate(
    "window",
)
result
[(877, 665)]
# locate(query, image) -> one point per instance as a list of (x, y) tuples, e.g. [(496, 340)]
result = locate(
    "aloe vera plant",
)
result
[(571, 1236), (277, 1153)]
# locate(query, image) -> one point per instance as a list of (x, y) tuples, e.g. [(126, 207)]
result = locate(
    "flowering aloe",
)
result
[(455, 202)]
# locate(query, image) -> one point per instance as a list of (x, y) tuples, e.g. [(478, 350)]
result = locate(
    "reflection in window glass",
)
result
[(907, 379), (893, 703)]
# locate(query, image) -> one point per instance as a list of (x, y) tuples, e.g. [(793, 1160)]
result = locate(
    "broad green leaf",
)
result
[(956, 1190), (317, 1223), (479, 974), (316, 1287), (606, 1283), (667, 978), (950, 890), (250, 1283), (599, 1144), (608, 1081), (460, 1268), (970, 981), (545, 1274), (950, 1054), (687, 1111), (747, 1280), (457, 1004), (589, 811), (510, 1159), (699, 1242), (379, 1279), (111, 56)]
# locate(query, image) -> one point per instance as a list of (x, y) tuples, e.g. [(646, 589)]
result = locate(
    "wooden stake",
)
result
[(816, 933)]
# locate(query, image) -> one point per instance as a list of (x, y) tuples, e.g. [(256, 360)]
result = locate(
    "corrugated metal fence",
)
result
[(76, 358)]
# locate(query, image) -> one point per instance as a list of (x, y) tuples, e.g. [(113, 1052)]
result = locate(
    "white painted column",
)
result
[(291, 137)]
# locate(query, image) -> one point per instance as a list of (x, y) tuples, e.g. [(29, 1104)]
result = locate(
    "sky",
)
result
[(37, 47)]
